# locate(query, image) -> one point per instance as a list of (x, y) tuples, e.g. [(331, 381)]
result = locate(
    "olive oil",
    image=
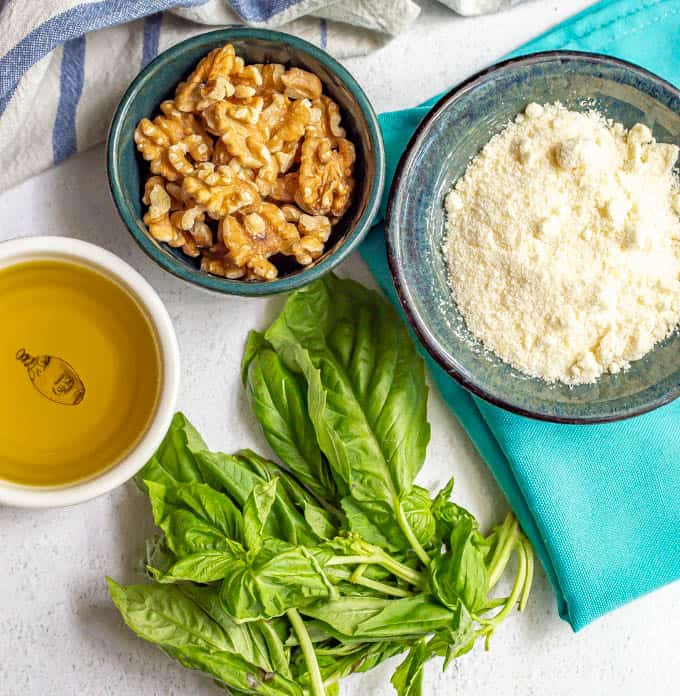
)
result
[(80, 372)]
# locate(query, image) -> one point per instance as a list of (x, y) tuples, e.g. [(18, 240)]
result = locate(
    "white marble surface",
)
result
[(60, 635)]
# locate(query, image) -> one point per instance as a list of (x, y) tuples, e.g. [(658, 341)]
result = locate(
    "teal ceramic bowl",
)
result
[(127, 171), (458, 126)]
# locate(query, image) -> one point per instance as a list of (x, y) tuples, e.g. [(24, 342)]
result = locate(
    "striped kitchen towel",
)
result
[(65, 63)]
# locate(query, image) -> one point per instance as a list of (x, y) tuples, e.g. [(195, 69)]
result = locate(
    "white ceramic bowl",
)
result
[(86, 254)]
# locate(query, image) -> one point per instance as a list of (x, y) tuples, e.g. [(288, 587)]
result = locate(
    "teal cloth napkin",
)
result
[(600, 503)]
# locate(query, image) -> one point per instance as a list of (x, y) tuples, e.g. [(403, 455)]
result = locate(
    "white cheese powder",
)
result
[(563, 244)]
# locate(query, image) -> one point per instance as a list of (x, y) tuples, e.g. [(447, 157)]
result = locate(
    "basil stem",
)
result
[(307, 647), (507, 537), (371, 584), (410, 536), (518, 590), (379, 557), (530, 573)]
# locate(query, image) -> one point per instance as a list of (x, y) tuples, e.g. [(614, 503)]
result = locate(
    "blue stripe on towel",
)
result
[(68, 25), (323, 27), (64, 139), (260, 10), (152, 32)]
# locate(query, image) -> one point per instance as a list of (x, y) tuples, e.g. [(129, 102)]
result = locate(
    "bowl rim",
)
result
[(419, 327), (226, 286), (117, 270)]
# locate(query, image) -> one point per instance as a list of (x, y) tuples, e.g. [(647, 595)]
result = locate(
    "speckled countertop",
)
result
[(60, 635)]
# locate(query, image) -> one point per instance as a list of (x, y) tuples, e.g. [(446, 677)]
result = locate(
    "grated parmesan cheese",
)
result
[(563, 244)]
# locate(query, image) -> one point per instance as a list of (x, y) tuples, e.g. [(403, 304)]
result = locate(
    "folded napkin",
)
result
[(600, 503), (64, 64)]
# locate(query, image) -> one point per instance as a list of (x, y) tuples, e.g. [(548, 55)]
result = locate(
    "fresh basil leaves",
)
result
[(284, 578)]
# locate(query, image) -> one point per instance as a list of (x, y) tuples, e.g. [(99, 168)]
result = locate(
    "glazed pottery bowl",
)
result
[(17, 251), (456, 129), (127, 171)]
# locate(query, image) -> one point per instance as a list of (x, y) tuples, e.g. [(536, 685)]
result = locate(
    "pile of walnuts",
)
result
[(247, 162)]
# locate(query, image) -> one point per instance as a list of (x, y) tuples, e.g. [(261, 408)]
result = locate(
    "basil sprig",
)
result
[(283, 578)]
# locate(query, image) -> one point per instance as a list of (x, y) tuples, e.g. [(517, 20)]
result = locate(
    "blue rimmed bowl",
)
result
[(458, 126), (127, 171)]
